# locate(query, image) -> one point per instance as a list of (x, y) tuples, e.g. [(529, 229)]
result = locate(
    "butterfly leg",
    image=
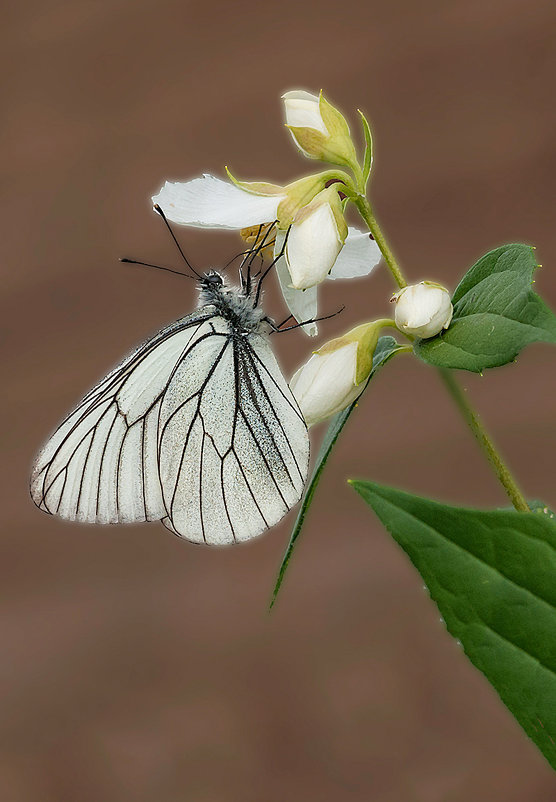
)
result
[(278, 329)]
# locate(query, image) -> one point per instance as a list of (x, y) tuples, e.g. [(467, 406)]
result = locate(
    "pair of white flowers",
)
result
[(319, 245), (336, 374)]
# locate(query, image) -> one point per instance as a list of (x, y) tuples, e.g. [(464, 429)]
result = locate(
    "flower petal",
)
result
[(209, 202), (358, 257), (302, 110), (301, 303), (326, 383), (313, 246)]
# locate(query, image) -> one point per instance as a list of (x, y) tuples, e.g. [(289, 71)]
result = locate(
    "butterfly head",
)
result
[(212, 280), (211, 287), (231, 302)]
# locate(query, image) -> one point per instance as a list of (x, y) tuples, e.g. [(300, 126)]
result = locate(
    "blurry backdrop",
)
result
[(139, 667)]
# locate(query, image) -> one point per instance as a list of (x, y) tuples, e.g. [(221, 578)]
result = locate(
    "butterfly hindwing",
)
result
[(245, 448)]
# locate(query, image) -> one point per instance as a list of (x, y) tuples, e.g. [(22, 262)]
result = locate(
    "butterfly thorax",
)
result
[(232, 303)]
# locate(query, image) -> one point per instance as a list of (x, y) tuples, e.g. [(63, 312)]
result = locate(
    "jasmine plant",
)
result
[(492, 573)]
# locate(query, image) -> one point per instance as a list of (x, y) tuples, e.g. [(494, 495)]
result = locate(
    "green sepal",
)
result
[(368, 159), (335, 147), (366, 336), (328, 195), (334, 120), (256, 187), (300, 195)]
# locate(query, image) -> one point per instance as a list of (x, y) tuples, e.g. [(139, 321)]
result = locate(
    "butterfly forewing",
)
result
[(197, 427), (100, 464)]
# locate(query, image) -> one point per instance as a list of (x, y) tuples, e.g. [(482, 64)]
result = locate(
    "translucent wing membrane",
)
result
[(197, 428)]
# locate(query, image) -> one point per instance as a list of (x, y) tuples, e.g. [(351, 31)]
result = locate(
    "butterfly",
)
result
[(197, 428)]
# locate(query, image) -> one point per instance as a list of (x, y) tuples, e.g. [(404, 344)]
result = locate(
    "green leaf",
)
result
[(496, 314), (385, 350), (493, 576)]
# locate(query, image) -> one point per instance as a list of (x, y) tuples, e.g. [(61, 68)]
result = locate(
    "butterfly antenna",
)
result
[(259, 251), (256, 249), (241, 253), (269, 268), (246, 283), (159, 211), (158, 267), (249, 256)]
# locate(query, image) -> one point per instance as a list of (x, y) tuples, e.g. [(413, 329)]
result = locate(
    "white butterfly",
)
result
[(196, 428)]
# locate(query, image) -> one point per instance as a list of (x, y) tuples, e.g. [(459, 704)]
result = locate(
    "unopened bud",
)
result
[(318, 129), (423, 310), (336, 374)]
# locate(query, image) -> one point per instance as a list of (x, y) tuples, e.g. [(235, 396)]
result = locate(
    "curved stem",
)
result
[(471, 418), (474, 422)]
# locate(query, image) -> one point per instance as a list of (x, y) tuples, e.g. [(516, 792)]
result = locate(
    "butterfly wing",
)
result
[(100, 466), (234, 452), (197, 427)]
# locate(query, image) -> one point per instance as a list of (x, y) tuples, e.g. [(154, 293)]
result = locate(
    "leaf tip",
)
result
[(274, 596)]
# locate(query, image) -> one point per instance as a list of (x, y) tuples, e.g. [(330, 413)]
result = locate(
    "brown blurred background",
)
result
[(136, 666)]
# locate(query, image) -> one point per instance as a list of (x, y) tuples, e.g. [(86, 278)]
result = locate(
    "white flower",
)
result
[(423, 310), (318, 129), (336, 374), (326, 383), (315, 240), (210, 202)]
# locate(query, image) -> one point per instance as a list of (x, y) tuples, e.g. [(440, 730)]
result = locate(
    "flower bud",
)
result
[(302, 111), (318, 129), (336, 374), (316, 237), (423, 310)]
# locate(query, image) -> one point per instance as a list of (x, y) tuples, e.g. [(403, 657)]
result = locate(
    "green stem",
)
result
[(366, 213), (472, 419), (474, 422)]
